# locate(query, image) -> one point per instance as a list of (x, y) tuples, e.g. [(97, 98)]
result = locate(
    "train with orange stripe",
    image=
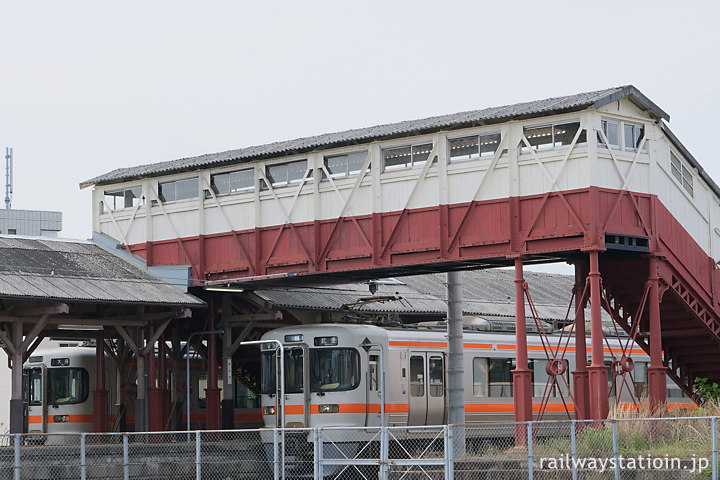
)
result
[(59, 380), (332, 376)]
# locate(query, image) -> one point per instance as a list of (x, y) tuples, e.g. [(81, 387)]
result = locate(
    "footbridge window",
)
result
[(682, 174), (473, 147), (611, 129), (128, 197), (345, 165), (178, 190), (283, 174), (232, 182), (632, 135), (406, 157), (551, 136)]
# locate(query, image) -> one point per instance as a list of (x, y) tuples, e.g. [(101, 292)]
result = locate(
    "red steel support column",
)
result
[(212, 392), (580, 375), (155, 421), (657, 381), (522, 381), (100, 394), (598, 372)]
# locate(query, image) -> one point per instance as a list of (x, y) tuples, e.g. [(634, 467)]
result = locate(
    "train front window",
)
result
[(334, 369), (268, 385), (293, 372), (67, 386)]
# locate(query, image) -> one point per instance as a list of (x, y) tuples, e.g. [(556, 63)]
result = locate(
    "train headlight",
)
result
[(298, 337), (60, 418), (268, 410), (328, 408)]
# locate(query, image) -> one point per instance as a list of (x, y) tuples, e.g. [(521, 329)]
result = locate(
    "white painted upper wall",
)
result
[(443, 182)]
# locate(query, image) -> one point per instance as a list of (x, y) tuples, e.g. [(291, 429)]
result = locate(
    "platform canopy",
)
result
[(80, 287)]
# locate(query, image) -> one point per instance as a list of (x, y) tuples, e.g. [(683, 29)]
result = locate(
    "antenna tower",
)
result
[(8, 176)]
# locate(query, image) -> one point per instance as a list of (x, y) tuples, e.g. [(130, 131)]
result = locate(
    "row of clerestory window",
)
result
[(469, 147)]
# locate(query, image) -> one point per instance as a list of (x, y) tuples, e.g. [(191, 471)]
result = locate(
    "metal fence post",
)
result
[(449, 453), (17, 456), (530, 449), (317, 457), (276, 456), (713, 435), (613, 424), (384, 440), (198, 466), (126, 458), (573, 448), (83, 463)]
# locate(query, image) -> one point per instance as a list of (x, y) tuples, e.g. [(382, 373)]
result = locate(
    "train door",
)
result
[(297, 386), (426, 402), (36, 409), (373, 395), (436, 389)]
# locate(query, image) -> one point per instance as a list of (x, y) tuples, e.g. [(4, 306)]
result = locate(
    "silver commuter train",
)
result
[(59, 378), (331, 380)]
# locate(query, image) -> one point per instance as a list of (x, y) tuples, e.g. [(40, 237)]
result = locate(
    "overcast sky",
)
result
[(89, 86)]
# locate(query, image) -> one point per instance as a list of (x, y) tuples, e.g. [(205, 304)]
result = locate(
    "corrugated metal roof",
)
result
[(548, 106), (76, 271), (489, 292)]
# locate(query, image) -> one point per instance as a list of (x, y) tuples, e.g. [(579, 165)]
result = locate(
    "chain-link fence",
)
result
[(671, 448)]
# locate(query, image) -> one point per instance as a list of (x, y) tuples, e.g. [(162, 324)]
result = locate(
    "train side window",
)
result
[(373, 372), (202, 385), (640, 378), (417, 376), (437, 376), (612, 384), (244, 397), (480, 384), (540, 380), (673, 391), (500, 377)]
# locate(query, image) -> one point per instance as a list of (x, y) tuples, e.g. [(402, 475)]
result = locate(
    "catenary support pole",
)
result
[(657, 381), (456, 391), (227, 405), (598, 372), (522, 386)]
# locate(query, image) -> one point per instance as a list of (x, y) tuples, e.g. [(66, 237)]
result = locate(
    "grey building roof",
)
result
[(489, 292), (491, 115), (76, 271)]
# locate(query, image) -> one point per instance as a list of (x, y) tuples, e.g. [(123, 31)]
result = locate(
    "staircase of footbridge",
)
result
[(595, 179)]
